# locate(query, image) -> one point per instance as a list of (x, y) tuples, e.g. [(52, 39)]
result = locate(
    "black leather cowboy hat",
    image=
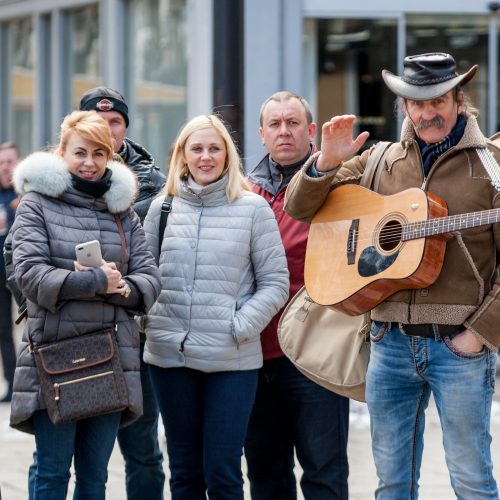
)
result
[(426, 76)]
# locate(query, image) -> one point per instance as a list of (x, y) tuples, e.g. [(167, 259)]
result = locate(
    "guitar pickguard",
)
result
[(372, 262)]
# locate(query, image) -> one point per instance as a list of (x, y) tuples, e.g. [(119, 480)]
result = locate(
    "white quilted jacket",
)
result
[(224, 276)]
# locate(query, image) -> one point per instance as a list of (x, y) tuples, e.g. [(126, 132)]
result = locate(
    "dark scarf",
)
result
[(431, 152), (282, 175), (93, 188)]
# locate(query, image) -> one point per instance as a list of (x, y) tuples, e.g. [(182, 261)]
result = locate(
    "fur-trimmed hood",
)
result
[(48, 174)]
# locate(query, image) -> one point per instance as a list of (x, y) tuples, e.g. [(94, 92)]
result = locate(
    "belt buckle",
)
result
[(429, 330)]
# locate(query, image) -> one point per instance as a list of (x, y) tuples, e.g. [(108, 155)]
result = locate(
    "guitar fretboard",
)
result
[(441, 225)]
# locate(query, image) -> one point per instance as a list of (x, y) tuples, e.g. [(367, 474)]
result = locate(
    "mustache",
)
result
[(435, 122)]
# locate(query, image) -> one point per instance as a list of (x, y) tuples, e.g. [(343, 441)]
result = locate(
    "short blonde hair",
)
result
[(178, 169), (90, 126), (285, 95)]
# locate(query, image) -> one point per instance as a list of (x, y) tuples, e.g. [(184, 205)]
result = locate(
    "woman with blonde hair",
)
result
[(70, 196), (224, 276)]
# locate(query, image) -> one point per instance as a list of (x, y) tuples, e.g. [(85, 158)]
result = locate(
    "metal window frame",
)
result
[(53, 76)]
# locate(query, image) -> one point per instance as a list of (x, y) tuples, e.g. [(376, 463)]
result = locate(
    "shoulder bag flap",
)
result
[(76, 353)]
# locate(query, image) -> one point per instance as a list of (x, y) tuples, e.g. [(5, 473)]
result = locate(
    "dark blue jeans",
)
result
[(88, 442), (293, 413), (205, 417), (138, 442)]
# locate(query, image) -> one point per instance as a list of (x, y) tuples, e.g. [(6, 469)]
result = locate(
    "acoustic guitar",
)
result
[(363, 246)]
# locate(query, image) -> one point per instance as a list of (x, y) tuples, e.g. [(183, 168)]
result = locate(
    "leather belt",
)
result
[(429, 329)]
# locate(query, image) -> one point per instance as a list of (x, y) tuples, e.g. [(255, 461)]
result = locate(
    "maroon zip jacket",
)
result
[(293, 233)]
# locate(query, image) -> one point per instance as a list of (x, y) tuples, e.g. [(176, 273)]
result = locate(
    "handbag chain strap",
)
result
[(491, 166), (123, 243)]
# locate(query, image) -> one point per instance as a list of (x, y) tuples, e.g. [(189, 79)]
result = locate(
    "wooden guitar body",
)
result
[(358, 252)]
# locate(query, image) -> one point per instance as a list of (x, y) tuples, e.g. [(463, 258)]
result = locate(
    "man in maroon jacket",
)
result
[(291, 414)]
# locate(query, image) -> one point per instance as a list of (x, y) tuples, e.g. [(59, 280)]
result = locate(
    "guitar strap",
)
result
[(491, 166), (372, 173)]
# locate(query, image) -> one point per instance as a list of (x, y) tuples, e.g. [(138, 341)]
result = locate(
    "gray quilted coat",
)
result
[(51, 219), (224, 276)]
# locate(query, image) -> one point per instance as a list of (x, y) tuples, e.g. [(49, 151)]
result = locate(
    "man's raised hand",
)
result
[(337, 144)]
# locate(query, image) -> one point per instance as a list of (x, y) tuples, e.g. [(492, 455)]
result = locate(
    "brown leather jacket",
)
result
[(467, 290)]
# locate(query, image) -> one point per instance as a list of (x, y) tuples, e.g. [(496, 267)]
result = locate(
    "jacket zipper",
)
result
[(446, 153), (413, 294), (69, 382), (282, 178)]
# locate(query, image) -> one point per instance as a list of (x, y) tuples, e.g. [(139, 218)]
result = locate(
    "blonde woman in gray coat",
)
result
[(224, 276)]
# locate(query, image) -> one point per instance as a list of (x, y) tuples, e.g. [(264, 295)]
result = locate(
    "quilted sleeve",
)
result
[(270, 273)]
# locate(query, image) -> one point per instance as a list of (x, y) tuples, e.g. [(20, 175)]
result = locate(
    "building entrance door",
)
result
[(351, 53)]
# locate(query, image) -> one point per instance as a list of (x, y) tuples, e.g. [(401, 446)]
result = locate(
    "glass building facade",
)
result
[(51, 52), (173, 59)]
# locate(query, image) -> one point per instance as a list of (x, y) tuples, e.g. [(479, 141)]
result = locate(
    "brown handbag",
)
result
[(81, 377)]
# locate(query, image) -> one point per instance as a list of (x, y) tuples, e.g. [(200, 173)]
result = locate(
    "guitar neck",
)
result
[(441, 225)]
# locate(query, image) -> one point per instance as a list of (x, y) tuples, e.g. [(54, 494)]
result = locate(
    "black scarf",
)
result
[(282, 175), (93, 188), (431, 152)]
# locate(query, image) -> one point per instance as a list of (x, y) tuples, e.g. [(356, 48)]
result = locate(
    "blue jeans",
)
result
[(144, 476), (89, 442), (292, 412), (205, 417), (402, 373)]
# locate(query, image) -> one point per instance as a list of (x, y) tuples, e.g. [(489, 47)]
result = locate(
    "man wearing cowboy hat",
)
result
[(442, 339)]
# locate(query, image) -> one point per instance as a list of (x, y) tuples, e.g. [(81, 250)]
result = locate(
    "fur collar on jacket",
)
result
[(48, 174)]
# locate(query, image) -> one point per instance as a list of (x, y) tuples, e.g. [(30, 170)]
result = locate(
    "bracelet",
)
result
[(126, 291)]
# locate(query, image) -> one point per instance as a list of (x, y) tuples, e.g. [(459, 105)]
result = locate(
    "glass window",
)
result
[(22, 83), (352, 54), (464, 37), (85, 54), (159, 72)]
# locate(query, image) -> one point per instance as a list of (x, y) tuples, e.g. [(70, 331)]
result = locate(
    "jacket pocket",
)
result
[(242, 329)]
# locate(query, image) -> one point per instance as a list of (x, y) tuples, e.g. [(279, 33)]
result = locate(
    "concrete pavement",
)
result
[(16, 450)]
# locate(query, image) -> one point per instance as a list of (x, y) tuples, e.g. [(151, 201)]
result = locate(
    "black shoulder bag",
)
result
[(166, 208)]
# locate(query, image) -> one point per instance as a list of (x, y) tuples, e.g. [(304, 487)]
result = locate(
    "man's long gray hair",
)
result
[(458, 95)]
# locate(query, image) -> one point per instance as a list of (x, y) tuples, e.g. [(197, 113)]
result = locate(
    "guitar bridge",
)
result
[(352, 242)]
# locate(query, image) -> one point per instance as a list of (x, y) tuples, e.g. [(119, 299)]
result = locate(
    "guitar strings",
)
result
[(419, 229)]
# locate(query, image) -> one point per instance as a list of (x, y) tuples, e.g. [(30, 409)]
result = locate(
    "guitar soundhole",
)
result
[(390, 235)]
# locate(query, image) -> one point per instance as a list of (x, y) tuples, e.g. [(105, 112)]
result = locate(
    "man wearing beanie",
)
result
[(138, 442), (111, 105)]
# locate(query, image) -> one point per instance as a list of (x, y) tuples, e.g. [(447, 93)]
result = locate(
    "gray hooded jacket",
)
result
[(51, 219)]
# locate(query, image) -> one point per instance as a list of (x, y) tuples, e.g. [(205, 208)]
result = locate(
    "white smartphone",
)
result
[(89, 253)]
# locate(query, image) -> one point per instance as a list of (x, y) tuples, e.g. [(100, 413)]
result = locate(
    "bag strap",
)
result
[(372, 170), (123, 255), (166, 208), (491, 166)]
